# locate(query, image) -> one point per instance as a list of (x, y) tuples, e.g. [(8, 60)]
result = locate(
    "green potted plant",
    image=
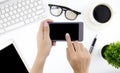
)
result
[(111, 53)]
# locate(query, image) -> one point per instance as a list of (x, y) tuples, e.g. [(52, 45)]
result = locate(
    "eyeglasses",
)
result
[(56, 10)]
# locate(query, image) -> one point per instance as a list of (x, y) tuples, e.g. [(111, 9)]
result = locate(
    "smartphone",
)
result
[(59, 29)]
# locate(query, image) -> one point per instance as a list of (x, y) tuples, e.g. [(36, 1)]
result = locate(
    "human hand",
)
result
[(44, 42), (44, 45), (78, 56)]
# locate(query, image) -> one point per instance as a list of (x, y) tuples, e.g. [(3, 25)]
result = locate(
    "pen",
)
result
[(93, 44)]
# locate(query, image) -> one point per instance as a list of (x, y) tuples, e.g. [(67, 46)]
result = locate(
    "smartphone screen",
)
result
[(59, 29)]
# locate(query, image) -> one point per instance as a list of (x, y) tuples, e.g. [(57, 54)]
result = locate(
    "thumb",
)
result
[(46, 30)]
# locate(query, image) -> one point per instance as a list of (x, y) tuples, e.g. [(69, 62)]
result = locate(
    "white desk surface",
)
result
[(25, 39)]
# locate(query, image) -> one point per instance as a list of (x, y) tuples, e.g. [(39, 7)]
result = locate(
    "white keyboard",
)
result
[(19, 13)]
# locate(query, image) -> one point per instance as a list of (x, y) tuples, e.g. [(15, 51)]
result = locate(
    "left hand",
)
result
[(44, 42)]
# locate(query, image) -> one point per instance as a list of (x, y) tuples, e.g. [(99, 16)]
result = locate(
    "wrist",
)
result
[(41, 58), (38, 64), (80, 71)]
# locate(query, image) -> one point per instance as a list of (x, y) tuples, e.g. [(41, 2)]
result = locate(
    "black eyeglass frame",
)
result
[(64, 8)]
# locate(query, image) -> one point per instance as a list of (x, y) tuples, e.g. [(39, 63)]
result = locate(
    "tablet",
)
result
[(59, 29), (10, 59)]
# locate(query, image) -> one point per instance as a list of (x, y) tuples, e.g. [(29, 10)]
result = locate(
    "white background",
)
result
[(25, 38)]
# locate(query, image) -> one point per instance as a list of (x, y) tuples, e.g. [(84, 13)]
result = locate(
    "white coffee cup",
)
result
[(90, 19)]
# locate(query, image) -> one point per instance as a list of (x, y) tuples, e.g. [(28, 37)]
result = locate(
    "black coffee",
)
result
[(102, 13)]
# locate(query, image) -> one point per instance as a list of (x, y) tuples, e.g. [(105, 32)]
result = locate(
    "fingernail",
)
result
[(67, 34), (46, 24)]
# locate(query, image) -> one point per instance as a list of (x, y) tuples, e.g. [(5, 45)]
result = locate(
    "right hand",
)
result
[(77, 55)]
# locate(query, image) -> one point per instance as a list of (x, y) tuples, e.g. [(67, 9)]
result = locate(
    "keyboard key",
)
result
[(8, 23), (31, 5), (7, 10), (29, 15), (1, 26), (3, 11), (12, 22), (9, 18), (2, 31), (21, 18), (2, 7), (2, 16), (11, 13), (31, 19), (39, 2), (16, 20), (32, 1), (27, 21), (1, 22), (33, 14), (6, 15), (21, 13), (23, 3), (27, 2), (29, 11), (13, 17), (14, 11), (35, 4), (25, 12), (27, 7), (15, 7), (4, 24), (19, 10), (19, 1), (11, 8), (33, 9), (23, 8), (17, 15), (6, 6), (25, 17), (5, 20), (39, 7), (19, 5)]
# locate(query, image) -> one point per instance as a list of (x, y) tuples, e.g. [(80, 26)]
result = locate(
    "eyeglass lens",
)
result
[(70, 15), (56, 11)]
